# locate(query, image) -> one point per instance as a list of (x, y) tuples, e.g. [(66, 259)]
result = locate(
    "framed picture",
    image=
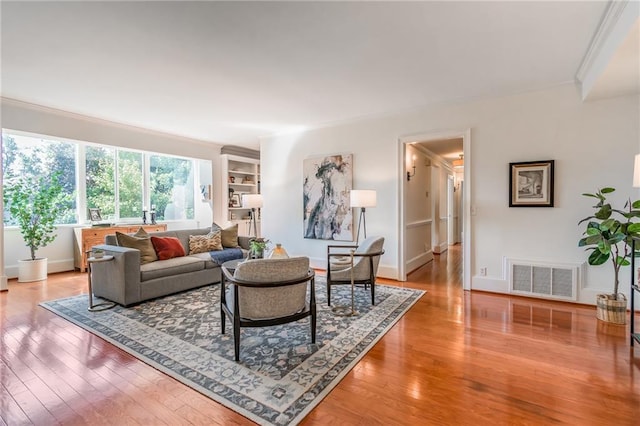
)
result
[(326, 184), (531, 184), (94, 215), (235, 200)]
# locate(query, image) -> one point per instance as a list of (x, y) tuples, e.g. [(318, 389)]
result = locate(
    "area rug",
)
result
[(281, 376)]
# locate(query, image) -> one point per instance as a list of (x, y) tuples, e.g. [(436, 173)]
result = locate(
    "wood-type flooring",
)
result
[(456, 358)]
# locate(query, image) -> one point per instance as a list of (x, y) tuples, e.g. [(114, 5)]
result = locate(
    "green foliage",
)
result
[(35, 205), (609, 233), (257, 246)]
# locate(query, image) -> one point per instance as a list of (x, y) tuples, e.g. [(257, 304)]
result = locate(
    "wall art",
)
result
[(327, 182), (531, 184)]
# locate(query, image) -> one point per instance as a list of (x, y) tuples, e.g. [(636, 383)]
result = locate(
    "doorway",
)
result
[(451, 188)]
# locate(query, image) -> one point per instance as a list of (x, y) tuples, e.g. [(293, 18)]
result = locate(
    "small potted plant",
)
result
[(257, 247), (35, 206), (97, 253), (608, 236)]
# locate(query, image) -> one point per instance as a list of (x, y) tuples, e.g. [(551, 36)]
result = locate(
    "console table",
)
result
[(87, 237)]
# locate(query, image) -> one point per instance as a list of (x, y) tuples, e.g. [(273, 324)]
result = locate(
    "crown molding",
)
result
[(99, 121), (616, 23)]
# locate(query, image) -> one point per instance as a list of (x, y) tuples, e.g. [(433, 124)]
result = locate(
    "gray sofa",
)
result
[(125, 281)]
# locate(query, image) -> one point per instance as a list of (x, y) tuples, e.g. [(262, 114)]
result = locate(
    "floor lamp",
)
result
[(253, 202), (362, 198)]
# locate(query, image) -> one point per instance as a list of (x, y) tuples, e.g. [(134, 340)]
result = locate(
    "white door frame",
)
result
[(402, 187)]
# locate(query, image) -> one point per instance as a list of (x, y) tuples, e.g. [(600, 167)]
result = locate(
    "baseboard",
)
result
[(492, 284), (441, 248), (418, 261)]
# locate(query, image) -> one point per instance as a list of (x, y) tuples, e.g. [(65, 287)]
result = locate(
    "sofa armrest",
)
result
[(119, 279), (244, 241)]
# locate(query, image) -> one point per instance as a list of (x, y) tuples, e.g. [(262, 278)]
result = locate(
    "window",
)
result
[(172, 191), (100, 180), (110, 179), (130, 178), (32, 157)]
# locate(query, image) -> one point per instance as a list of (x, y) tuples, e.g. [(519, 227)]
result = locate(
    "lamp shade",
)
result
[(252, 201), (363, 198), (636, 172)]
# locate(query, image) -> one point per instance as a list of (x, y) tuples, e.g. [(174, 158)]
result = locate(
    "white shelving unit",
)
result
[(241, 176)]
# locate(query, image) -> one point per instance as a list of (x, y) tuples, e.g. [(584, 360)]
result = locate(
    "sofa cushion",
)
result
[(170, 267), (206, 258), (139, 241), (167, 247), (230, 236), (205, 243)]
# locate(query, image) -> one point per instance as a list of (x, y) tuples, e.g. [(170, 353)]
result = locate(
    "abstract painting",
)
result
[(327, 182)]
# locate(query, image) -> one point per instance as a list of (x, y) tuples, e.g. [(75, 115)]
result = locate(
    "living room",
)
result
[(592, 140)]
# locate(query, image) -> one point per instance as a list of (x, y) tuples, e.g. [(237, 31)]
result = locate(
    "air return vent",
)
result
[(550, 281)]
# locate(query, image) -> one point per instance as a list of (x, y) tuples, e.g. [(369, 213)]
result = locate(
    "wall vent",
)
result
[(546, 280)]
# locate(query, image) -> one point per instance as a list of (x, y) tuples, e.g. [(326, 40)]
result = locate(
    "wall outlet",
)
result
[(483, 272)]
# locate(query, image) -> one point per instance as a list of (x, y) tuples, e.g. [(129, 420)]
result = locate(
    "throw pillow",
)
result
[(138, 242), (167, 247), (230, 236), (205, 243)]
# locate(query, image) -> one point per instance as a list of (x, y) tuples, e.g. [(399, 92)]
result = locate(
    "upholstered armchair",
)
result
[(366, 258), (265, 292)]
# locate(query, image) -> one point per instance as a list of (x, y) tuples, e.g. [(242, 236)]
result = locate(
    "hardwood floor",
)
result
[(455, 358)]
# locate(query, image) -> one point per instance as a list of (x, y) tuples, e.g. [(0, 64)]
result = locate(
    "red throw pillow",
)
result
[(167, 247)]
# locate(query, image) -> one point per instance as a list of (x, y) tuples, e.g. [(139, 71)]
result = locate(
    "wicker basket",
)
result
[(612, 310)]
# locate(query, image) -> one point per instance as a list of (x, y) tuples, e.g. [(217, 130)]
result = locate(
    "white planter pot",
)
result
[(32, 270)]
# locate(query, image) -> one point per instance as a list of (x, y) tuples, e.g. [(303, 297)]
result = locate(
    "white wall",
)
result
[(592, 144), (31, 118)]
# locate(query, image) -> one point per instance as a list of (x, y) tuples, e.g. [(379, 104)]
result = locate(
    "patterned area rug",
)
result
[(281, 376)]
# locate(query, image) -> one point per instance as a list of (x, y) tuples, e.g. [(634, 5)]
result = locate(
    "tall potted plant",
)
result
[(35, 206), (608, 236)]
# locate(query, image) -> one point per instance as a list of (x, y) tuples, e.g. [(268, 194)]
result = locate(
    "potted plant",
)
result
[(257, 247), (35, 206), (608, 236)]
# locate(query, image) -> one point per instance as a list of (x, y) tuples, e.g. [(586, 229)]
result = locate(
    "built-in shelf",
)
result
[(241, 176)]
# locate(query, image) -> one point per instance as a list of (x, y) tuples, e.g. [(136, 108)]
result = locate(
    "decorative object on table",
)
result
[(326, 184), (34, 206), (253, 202), (144, 217), (153, 215), (257, 246), (265, 293), (278, 252), (259, 388), (609, 236), (365, 265), (362, 198), (531, 184), (97, 253), (94, 215)]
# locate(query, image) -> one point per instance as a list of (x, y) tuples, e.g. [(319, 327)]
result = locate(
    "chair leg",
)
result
[(236, 338), (223, 317), (313, 327), (373, 293), (328, 293)]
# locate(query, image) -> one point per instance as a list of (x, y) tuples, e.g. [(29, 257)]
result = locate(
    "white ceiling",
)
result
[(230, 72)]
